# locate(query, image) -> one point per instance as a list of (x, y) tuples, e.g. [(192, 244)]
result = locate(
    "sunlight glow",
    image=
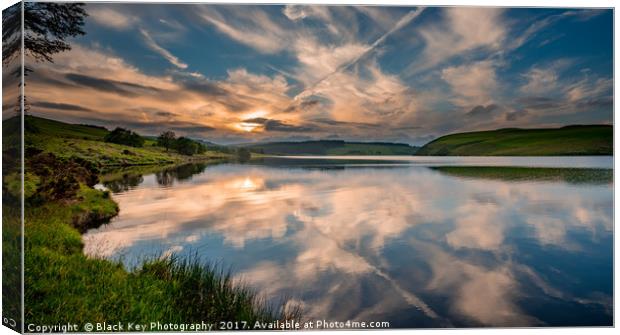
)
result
[(247, 126), (251, 126)]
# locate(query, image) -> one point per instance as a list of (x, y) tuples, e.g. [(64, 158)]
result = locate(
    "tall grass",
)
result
[(63, 285)]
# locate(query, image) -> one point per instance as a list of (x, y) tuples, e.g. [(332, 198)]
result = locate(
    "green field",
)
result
[(332, 148), (86, 142), (565, 141)]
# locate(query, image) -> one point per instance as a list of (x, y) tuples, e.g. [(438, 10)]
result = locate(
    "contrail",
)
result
[(406, 19), (409, 297)]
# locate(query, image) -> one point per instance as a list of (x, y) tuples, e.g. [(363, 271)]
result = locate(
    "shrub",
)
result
[(58, 179), (125, 137), (189, 147)]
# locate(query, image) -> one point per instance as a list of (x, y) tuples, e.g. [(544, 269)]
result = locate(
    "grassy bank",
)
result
[(63, 285), (565, 141)]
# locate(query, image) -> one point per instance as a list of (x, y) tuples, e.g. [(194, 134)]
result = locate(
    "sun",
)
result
[(247, 125)]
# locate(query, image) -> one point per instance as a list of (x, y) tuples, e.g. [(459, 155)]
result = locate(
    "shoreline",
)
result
[(55, 250)]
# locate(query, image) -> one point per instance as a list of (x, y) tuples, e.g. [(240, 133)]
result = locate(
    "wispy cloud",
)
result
[(472, 84), (253, 28), (405, 20), (460, 30), (160, 50), (112, 18)]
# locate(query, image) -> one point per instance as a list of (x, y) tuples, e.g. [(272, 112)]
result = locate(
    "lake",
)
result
[(416, 241)]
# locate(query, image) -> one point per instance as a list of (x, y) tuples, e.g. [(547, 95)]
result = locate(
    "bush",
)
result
[(125, 137), (57, 179), (189, 147)]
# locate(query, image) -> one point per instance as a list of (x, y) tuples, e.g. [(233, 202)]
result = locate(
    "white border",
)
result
[(482, 3)]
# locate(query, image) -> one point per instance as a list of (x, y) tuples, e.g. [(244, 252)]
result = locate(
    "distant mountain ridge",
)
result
[(331, 148), (565, 141)]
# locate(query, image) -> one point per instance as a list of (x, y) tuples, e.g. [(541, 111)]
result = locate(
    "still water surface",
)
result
[(379, 239)]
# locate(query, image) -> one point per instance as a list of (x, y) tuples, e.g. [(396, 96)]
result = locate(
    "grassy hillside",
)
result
[(66, 130), (332, 148), (565, 141), (86, 142)]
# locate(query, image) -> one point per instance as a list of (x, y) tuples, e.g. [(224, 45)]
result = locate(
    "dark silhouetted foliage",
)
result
[(188, 146), (166, 139), (46, 27), (125, 137)]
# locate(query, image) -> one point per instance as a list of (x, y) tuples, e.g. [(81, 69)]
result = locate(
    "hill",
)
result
[(87, 142), (67, 130), (565, 141), (332, 148)]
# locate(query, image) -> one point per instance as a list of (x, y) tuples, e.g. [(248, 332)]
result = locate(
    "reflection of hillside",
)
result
[(576, 176), (124, 179), (124, 184)]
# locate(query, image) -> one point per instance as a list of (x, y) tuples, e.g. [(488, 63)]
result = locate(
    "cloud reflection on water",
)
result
[(370, 243)]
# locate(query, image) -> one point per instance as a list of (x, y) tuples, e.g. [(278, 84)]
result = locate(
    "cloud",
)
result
[(364, 51), (111, 18), (539, 81), (515, 115), (460, 30), (298, 12), (472, 84), (113, 86), (252, 27), (481, 111), (539, 25), (537, 102), (303, 106), (589, 88), (277, 125), (150, 42), (60, 106)]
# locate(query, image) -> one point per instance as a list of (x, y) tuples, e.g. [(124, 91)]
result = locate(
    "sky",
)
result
[(247, 73)]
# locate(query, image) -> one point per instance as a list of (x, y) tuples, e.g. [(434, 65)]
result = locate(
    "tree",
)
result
[(189, 147), (47, 25), (243, 154), (166, 139), (124, 137), (46, 28)]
